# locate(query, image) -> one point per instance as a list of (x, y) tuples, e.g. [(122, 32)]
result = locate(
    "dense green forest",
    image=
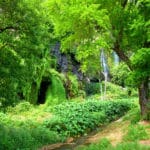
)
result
[(70, 67)]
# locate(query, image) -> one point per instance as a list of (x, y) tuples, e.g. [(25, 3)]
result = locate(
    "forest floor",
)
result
[(114, 132)]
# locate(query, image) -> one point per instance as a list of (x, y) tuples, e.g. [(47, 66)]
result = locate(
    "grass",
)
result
[(25, 111), (136, 132), (21, 128), (128, 133)]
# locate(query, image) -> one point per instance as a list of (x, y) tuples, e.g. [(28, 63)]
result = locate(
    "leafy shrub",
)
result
[(92, 88), (44, 136), (75, 122), (119, 74), (4, 119), (113, 91), (116, 109), (72, 86), (21, 107), (69, 119), (78, 118), (55, 124)]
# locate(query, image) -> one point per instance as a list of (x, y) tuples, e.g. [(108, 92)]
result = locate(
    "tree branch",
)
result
[(117, 48), (122, 55)]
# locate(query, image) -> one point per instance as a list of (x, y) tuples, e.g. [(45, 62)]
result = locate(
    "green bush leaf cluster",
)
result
[(92, 88), (119, 74), (113, 91), (78, 118)]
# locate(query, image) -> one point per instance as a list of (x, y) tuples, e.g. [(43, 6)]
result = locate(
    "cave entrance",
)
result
[(42, 92)]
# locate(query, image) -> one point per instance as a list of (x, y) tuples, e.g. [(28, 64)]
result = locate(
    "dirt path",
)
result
[(113, 132)]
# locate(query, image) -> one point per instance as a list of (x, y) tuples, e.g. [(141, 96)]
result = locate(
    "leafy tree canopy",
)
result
[(24, 47), (82, 27), (85, 27)]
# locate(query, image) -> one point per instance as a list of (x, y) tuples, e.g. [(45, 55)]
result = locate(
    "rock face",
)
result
[(66, 63), (62, 60)]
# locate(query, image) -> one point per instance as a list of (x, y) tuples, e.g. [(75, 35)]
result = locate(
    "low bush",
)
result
[(21, 107), (119, 74), (92, 88), (44, 136), (113, 91), (78, 118), (75, 122)]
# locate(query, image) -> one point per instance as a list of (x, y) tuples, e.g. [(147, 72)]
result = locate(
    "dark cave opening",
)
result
[(42, 92)]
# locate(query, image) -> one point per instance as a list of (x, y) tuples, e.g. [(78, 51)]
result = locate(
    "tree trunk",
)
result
[(144, 100), (122, 55)]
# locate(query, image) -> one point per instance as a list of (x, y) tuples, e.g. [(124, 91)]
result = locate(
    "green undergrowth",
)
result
[(28, 127), (21, 128), (134, 133), (74, 119), (105, 144), (113, 91), (24, 137), (134, 115), (136, 130)]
